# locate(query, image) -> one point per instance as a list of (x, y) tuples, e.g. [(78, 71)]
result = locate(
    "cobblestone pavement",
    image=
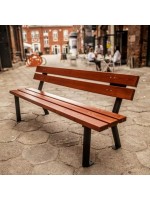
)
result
[(53, 145)]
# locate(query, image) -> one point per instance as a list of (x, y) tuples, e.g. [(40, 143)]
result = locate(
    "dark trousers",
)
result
[(97, 62)]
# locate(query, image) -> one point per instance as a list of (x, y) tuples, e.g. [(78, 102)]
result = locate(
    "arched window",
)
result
[(55, 35)]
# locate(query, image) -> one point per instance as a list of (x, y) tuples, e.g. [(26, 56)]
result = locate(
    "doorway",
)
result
[(121, 40), (5, 54)]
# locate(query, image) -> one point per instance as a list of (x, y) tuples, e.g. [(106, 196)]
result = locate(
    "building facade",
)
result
[(47, 39), (11, 46), (133, 41)]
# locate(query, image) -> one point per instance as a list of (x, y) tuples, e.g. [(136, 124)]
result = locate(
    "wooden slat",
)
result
[(104, 118), (124, 79), (75, 116), (114, 91), (118, 117)]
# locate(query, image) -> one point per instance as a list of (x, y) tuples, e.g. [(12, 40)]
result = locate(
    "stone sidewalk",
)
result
[(53, 145)]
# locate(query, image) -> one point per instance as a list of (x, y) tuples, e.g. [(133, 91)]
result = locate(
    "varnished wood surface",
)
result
[(87, 117), (109, 90), (124, 79)]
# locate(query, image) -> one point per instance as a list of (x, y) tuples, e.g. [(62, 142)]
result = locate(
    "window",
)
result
[(24, 36), (46, 41), (35, 34), (45, 33), (55, 35), (65, 35)]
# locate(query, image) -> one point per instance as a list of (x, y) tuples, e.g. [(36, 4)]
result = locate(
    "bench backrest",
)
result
[(109, 84)]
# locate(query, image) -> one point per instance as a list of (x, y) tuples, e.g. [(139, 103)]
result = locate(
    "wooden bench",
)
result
[(89, 117)]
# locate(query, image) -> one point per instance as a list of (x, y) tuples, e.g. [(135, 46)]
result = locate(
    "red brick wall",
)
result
[(137, 44), (50, 29)]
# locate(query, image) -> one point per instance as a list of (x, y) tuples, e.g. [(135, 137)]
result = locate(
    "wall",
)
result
[(50, 30), (137, 44)]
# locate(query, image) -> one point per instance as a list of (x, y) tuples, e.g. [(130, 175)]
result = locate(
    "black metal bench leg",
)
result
[(46, 111), (17, 105), (86, 148), (116, 138)]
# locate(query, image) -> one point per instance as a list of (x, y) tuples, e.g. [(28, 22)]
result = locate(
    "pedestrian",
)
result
[(108, 60), (92, 58), (117, 55)]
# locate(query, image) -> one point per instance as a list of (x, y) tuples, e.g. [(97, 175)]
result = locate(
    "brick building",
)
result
[(47, 39), (11, 46), (133, 40)]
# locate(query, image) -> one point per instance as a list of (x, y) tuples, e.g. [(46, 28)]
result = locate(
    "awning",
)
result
[(27, 45)]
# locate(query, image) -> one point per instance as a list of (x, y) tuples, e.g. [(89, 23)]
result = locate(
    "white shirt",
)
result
[(90, 56), (117, 56)]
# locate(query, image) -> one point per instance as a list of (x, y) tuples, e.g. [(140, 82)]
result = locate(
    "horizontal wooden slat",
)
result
[(124, 79), (101, 117), (114, 91), (70, 114), (118, 117)]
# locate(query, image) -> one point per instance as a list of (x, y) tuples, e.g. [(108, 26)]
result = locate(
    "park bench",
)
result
[(109, 84)]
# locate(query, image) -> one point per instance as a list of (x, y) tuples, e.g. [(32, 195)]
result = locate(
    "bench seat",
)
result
[(91, 117)]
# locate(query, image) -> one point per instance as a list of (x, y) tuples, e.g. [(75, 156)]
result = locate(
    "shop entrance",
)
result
[(120, 39), (5, 55)]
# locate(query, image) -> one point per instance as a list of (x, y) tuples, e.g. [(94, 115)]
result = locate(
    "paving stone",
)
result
[(131, 143), (76, 128), (97, 169), (15, 166), (137, 132), (33, 137), (46, 118), (99, 141), (7, 125), (143, 119), (5, 115), (28, 117), (64, 138), (118, 159), (28, 126), (10, 150), (31, 109), (40, 153), (73, 156), (53, 168), (101, 104), (52, 117), (9, 136), (5, 104), (144, 157), (7, 109), (138, 107), (138, 171), (55, 127)]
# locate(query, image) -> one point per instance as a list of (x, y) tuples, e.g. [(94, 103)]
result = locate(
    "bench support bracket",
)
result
[(114, 129), (116, 138), (86, 148), (17, 105), (40, 88)]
